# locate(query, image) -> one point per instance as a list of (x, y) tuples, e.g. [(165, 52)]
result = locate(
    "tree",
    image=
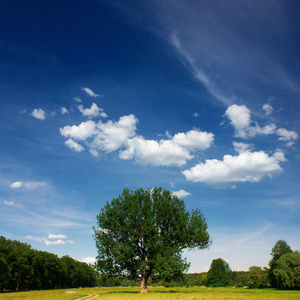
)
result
[(219, 273), (142, 233), (280, 248), (257, 277), (287, 271)]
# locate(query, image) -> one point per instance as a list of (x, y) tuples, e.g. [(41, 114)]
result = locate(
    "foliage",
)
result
[(287, 271), (219, 273), (142, 233), (280, 248), (258, 278), (23, 268)]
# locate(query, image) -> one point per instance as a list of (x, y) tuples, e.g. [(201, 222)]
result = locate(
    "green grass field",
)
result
[(156, 293)]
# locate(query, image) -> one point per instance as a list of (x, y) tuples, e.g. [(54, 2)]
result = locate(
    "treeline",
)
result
[(283, 273), (23, 268)]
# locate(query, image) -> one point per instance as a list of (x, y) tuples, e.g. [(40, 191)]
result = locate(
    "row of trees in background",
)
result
[(23, 268), (283, 273)]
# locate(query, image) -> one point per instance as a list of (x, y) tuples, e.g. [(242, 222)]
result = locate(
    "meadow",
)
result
[(155, 293)]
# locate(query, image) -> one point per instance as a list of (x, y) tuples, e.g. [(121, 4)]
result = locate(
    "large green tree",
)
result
[(142, 233), (280, 248), (219, 273), (287, 271)]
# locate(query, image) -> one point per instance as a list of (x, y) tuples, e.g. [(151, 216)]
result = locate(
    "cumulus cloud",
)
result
[(181, 194), (121, 135), (38, 113), (56, 236), (157, 153), (111, 136), (89, 260), (246, 166), (90, 92), (64, 110), (80, 132), (92, 112), (240, 119), (175, 151), (268, 109), (16, 185), (11, 203), (74, 145), (57, 242), (49, 240), (287, 136)]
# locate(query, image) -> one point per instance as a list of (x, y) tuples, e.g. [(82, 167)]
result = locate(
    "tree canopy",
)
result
[(219, 273), (142, 233), (287, 271)]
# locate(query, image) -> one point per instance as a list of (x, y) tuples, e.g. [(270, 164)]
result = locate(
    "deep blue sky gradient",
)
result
[(144, 58)]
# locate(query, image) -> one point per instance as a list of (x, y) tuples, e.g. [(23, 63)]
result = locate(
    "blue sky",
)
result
[(201, 98)]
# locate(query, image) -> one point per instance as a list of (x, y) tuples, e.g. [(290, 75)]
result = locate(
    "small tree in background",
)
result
[(257, 277), (219, 273), (280, 248), (142, 233)]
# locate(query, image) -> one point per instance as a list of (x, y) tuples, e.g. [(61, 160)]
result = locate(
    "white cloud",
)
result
[(80, 132), (34, 184), (74, 145), (196, 115), (175, 151), (70, 242), (92, 112), (111, 135), (239, 118), (89, 260), (38, 113), (89, 92), (241, 147), (268, 109), (247, 166), (193, 140), (29, 237), (29, 185), (11, 203), (287, 136), (56, 236), (181, 194), (151, 152), (16, 185), (76, 99), (64, 110), (58, 242)]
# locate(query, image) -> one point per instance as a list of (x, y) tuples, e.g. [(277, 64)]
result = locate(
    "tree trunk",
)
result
[(144, 284)]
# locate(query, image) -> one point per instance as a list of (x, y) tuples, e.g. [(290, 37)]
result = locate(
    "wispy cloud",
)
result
[(90, 92), (12, 203), (199, 74)]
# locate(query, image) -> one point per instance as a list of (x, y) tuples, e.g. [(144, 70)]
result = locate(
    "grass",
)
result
[(156, 293)]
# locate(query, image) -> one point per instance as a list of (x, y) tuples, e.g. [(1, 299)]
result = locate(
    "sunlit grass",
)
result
[(156, 293)]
